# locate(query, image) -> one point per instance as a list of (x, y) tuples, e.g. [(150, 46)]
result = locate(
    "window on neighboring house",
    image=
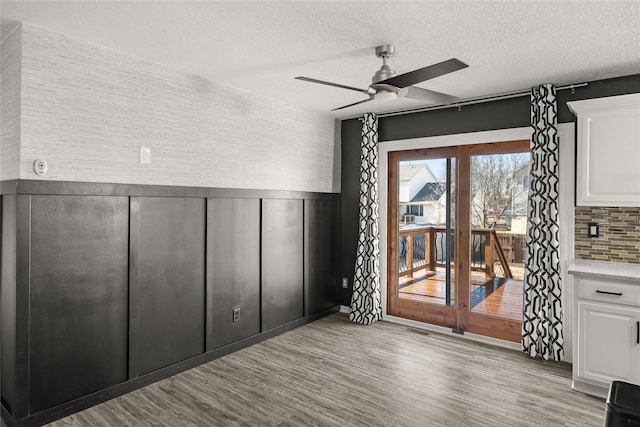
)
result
[(417, 210)]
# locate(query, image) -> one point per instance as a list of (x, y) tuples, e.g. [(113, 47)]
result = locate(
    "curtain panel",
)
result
[(366, 301), (542, 312)]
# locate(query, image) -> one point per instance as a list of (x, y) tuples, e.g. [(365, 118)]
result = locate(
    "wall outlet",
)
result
[(145, 155), (236, 314), (345, 283)]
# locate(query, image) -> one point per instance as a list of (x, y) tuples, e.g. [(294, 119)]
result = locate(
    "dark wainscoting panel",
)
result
[(167, 256), (107, 287), (233, 269), (320, 255), (8, 300), (282, 262), (78, 305)]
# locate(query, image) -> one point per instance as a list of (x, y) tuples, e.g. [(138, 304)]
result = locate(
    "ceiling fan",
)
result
[(385, 85)]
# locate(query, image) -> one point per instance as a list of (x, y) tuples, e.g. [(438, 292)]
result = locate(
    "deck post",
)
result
[(410, 254), (488, 254), (431, 247)]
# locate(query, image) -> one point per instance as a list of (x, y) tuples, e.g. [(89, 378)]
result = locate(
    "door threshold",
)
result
[(448, 331)]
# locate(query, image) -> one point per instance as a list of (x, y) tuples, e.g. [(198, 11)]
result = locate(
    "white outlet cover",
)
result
[(145, 155)]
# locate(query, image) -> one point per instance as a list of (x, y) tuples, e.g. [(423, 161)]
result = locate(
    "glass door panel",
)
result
[(425, 227), (499, 190), (420, 248)]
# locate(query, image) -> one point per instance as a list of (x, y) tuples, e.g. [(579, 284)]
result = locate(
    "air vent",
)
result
[(418, 331)]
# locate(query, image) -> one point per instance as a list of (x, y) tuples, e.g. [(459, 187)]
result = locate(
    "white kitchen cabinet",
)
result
[(608, 166), (606, 326), (609, 345)]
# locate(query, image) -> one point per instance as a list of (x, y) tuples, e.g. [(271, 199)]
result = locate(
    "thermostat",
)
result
[(40, 167)]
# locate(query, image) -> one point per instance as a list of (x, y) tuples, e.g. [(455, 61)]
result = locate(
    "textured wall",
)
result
[(87, 110), (619, 239), (10, 103)]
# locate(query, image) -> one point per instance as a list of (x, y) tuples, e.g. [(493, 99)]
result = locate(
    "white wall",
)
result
[(86, 110), (10, 51)]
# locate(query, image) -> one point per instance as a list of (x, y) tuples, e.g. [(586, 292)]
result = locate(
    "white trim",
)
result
[(566, 139), (613, 101), (344, 309), (430, 142)]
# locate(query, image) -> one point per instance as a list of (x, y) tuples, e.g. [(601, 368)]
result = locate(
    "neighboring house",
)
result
[(506, 207), (422, 197)]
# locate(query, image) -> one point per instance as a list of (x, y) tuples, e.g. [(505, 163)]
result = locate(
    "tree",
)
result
[(499, 187)]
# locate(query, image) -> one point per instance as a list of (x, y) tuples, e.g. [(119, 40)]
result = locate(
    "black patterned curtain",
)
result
[(542, 317), (366, 302)]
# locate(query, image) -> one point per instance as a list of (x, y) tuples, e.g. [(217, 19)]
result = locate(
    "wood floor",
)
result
[(493, 297), (335, 373)]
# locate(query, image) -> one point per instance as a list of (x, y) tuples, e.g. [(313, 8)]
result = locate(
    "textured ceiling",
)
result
[(261, 46)]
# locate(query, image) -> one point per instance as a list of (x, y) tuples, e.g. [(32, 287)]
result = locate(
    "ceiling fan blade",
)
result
[(427, 95), (426, 73), (322, 82), (351, 105)]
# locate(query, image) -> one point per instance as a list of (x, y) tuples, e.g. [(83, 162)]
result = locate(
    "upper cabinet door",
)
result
[(608, 169)]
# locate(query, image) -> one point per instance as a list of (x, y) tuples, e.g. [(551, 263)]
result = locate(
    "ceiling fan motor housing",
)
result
[(385, 72)]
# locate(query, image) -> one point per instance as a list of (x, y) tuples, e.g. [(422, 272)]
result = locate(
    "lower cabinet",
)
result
[(607, 334), (609, 343)]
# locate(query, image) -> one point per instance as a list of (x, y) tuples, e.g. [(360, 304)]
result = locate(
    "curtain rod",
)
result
[(472, 101)]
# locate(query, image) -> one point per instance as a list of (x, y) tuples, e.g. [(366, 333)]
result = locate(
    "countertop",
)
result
[(605, 270)]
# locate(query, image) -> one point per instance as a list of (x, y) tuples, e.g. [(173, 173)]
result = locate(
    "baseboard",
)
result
[(344, 309), (590, 389), (101, 396)]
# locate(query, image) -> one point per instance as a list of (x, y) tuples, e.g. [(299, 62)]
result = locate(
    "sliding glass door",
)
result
[(457, 217), (422, 249)]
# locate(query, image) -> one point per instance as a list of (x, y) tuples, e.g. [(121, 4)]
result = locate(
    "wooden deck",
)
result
[(491, 296)]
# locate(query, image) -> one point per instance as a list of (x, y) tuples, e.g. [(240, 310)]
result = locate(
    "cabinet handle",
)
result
[(609, 293), (637, 332)]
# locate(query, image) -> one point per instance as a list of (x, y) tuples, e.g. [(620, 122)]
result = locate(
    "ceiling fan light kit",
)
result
[(385, 96), (386, 85)]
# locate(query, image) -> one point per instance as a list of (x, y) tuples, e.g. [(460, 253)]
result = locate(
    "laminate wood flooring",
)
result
[(336, 373)]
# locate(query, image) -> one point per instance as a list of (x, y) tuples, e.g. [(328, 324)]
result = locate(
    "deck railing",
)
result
[(425, 248)]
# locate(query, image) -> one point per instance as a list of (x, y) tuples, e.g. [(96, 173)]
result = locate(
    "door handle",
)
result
[(609, 293)]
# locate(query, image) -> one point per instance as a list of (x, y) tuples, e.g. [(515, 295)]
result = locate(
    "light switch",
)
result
[(145, 155), (593, 229)]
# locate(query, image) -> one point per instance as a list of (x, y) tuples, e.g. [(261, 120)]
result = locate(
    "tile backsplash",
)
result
[(619, 239)]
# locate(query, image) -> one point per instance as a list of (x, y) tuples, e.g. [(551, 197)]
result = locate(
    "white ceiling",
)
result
[(261, 46)]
